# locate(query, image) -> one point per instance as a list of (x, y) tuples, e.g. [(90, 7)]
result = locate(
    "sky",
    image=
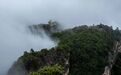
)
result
[(67, 12), (16, 15)]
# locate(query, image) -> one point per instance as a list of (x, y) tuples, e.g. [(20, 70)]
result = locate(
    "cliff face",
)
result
[(81, 50), (32, 61)]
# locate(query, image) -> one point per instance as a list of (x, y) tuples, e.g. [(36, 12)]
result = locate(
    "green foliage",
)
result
[(86, 47), (32, 60), (47, 70), (116, 70), (88, 52)]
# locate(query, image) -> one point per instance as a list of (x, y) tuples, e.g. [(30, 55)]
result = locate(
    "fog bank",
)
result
[(15, 40)]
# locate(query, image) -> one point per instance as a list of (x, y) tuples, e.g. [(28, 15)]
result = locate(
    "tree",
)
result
[(49, 70), (32, 50)]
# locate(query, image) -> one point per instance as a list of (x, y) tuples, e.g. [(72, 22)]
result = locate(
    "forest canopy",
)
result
[(82, 50)]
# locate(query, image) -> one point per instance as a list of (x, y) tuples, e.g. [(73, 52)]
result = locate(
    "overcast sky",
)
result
[(16, 14), (67, 12)]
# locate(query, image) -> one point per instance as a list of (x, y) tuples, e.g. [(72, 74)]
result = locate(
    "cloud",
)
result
[(69, 12), (15, 15), (14, 40)]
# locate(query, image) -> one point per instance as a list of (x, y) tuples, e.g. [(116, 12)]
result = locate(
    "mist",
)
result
[(15, 40), (16, 15)]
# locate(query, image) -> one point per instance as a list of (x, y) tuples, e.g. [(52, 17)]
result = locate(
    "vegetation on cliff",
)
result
[(82, 50), (49, 70)]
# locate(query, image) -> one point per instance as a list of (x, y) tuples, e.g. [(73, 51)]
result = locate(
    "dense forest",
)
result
[(82, 50)]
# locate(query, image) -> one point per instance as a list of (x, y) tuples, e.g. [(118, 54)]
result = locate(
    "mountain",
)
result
[(82, 50)]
